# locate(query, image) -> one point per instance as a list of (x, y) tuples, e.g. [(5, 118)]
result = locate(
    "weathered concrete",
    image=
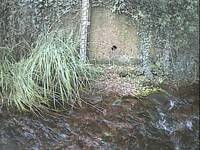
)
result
[(22, 20), (110, 30)]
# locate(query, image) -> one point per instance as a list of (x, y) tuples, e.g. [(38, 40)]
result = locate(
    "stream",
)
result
[(162, 121)]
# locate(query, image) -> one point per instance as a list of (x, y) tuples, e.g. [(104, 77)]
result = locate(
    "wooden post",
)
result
[(84, 28)]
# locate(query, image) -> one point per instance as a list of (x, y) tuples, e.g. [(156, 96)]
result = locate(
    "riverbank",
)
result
[(111, 116)]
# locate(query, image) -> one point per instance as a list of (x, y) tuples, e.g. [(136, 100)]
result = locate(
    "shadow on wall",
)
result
[(112, 37)]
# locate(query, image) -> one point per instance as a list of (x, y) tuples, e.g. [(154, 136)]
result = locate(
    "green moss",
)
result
[(145, 91)]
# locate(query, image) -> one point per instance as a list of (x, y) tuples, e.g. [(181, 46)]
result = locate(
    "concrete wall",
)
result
[(24, 20), (109, 30)]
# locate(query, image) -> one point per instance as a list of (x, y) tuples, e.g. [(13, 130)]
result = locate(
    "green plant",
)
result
[(53, 74)]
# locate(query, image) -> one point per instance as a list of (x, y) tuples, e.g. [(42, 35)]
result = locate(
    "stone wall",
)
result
[(24, 20), (112, 37)]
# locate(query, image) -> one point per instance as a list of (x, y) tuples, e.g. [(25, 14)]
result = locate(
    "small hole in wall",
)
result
[(114, 47)]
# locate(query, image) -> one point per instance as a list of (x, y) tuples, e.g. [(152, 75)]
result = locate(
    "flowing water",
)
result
[(161, 121)]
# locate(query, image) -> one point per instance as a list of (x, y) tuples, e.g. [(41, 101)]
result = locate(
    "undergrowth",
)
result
[(53, 75)]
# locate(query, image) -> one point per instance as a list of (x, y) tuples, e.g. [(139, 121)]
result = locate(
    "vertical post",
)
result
[(84, 28)]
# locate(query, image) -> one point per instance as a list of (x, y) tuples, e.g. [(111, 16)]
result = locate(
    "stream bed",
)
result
[(162, 121)]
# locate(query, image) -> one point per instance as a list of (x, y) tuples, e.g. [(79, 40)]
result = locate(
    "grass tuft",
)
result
[(52, 75)]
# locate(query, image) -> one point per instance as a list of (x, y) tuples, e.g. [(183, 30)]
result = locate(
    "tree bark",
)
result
[(84, 28)]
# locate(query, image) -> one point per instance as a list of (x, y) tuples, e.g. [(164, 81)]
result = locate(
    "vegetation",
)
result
[(52, 74)]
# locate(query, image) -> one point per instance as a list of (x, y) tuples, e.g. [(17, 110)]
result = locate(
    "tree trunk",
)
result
[(84, 28)]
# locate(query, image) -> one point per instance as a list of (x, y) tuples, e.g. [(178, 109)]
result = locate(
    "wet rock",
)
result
[(132, 124)]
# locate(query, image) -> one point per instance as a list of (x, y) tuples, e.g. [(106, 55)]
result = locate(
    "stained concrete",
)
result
[(21, 21), (112, 37)]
